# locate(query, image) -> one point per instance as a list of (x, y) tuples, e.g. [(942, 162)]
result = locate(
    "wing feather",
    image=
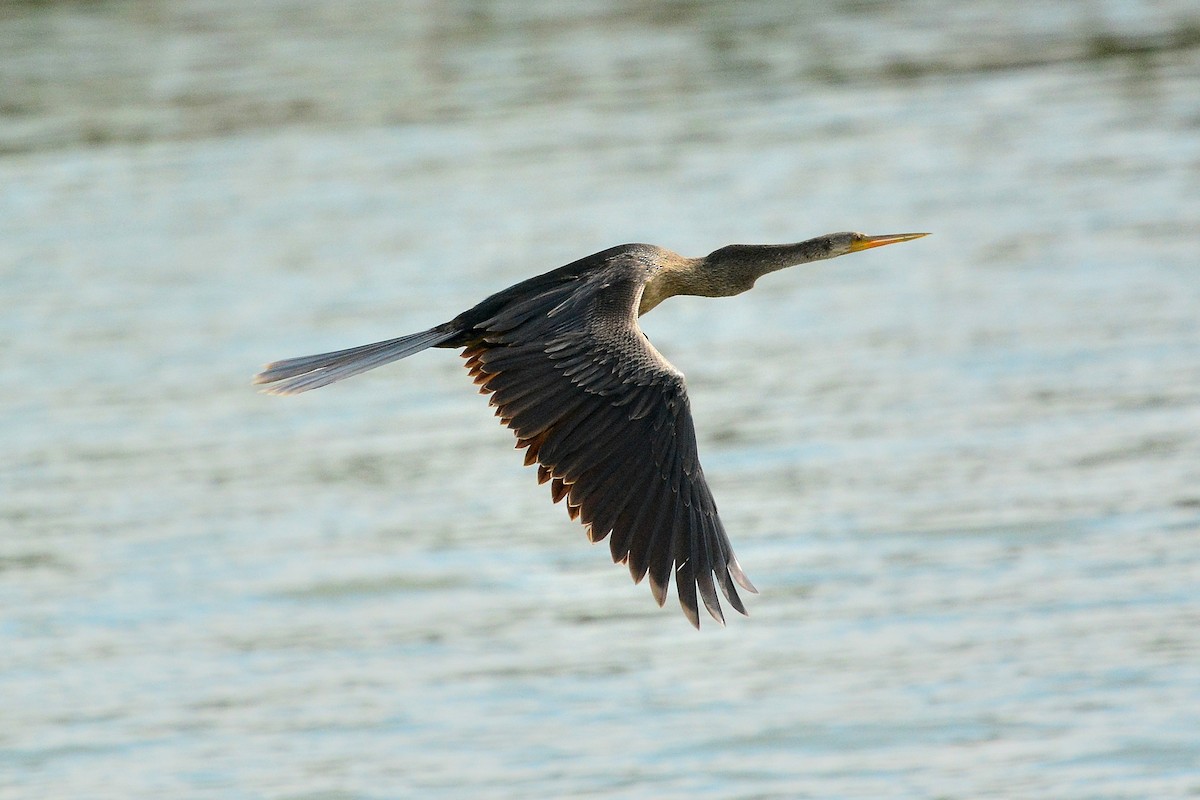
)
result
[(608, 422)]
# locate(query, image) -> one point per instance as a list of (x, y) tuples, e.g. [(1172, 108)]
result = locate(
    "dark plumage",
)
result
[(604, 416)]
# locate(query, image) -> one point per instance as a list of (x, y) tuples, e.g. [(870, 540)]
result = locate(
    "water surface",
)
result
[(963, 473)]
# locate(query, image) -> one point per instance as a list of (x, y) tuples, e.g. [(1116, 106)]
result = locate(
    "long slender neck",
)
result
[(735, 268), (730, 270)]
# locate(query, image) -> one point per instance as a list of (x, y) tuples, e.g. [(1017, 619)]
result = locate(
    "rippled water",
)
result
[(962, 472)]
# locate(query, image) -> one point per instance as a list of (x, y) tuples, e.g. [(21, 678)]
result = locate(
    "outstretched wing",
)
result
[(607, 419)]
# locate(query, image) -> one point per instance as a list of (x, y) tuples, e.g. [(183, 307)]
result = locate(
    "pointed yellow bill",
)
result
[(867, 242)]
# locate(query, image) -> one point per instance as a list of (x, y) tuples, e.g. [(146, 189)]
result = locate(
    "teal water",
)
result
[(962, 472)]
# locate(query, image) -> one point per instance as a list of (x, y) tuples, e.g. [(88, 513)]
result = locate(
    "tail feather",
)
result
[(295, 375)]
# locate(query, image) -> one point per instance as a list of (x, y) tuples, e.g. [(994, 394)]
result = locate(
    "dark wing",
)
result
[(607, 419)]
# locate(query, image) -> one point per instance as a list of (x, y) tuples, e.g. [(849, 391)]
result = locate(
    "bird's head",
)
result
[(734, 268), (832, 245)]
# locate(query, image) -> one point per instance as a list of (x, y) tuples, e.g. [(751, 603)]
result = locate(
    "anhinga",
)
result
[(603, 414)]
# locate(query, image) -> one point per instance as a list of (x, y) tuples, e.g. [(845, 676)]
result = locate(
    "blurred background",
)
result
[(964, 473)]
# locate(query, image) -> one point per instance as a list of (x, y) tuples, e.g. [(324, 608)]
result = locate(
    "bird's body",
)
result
[(604, 415)]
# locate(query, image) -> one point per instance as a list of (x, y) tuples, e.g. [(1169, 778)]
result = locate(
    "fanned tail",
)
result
[(295, 375)]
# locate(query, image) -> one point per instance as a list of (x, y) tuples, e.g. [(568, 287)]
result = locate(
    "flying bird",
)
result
[(601, 412)]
